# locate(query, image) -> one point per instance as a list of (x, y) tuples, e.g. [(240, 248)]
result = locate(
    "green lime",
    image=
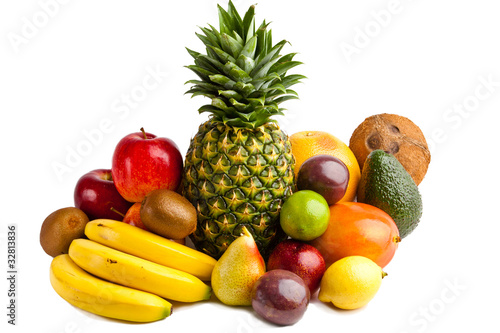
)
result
[(305, 215)]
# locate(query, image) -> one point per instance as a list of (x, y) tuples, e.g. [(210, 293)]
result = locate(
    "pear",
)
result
[(237, 270)]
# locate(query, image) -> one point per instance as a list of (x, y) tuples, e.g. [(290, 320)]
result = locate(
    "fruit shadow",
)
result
[(180, 306), (98, 318), (256, 319), (330, 306)]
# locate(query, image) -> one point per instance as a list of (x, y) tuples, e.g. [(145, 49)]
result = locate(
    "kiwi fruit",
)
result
[(394, 134), (168, 214), (60, 228)]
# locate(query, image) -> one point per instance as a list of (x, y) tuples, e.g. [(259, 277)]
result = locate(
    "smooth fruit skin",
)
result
[(149, 246), (143, 162), (280, 297), (96, 194), (351, 282), (326, 175), (305, 215), (358, 229), (133, 216), (237, 270), (104, 298), (310, 143), (299, 258), (131, 271)]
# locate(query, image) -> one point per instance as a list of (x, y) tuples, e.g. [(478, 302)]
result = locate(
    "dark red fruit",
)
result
[(300, 258), (280, 297), (326, 175)]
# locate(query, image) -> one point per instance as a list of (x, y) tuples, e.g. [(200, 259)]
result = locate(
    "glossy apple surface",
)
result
[(326, 175), (143, 162), (133, 216), (96, 194), (300, 258)]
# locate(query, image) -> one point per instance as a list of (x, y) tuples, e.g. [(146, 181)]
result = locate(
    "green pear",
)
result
[(237, 270)]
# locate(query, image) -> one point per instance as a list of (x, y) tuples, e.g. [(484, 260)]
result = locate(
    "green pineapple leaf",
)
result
[(242, 71)]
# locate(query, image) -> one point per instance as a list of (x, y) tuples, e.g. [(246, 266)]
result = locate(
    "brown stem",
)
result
[(144, 133), (117, 212)]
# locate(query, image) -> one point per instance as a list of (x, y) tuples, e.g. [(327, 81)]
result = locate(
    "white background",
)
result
[(66, 74)]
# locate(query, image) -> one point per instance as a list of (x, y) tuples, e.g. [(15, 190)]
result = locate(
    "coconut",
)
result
[(397, 135)]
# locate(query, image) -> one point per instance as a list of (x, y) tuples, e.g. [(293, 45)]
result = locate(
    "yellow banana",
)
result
[(147, 245), (104, 298), (137, 273)]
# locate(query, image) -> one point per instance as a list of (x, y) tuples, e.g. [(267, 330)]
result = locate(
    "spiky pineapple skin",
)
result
[(238, 177)]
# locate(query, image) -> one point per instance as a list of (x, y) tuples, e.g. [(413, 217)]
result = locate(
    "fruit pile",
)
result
[(274, 220)]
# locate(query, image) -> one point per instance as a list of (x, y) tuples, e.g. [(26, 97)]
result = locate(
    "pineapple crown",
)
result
[(242, 72)]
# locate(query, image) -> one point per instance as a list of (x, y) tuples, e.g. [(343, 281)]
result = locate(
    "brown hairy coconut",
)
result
[(397, 135)]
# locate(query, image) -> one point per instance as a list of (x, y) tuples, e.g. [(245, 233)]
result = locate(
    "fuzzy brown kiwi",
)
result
[(397, 135), (168, 214), (60, 228)]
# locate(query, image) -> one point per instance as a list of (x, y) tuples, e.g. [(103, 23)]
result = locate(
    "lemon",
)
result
[(351, 282), (305, 215)]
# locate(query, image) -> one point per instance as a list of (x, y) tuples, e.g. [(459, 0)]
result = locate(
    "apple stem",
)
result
[(144, 133), (117, 212)]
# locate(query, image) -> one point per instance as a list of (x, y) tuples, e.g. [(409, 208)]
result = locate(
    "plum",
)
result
[(299, 258), (280, 297), (326, 175)]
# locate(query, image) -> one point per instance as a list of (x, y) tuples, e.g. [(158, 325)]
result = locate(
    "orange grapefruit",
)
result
[(310, 143)]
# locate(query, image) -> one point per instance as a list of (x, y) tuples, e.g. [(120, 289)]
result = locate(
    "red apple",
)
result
[(143, 162), (133, 216), (300, 258), (97, 196)]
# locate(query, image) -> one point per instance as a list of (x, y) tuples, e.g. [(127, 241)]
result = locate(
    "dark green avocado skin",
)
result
[(387, 185)]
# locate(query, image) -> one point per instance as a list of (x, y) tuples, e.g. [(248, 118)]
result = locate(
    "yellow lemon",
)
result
[(351, 282)]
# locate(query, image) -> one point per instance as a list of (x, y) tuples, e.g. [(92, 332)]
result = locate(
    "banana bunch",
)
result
[(127, 273), (152, 247), (104, 298)]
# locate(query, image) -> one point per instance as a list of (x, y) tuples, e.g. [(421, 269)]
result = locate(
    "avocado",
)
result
[(386, 184)]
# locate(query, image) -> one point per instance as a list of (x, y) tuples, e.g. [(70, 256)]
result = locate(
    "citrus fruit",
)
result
[(351, 282), (305, 215), (358, 229), (311, 143)]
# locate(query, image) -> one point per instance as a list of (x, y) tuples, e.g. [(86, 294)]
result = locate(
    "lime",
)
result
[(305, 215), (351, 282)]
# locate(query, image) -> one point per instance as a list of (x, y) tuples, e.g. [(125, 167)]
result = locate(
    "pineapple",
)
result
[(239, 167)]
